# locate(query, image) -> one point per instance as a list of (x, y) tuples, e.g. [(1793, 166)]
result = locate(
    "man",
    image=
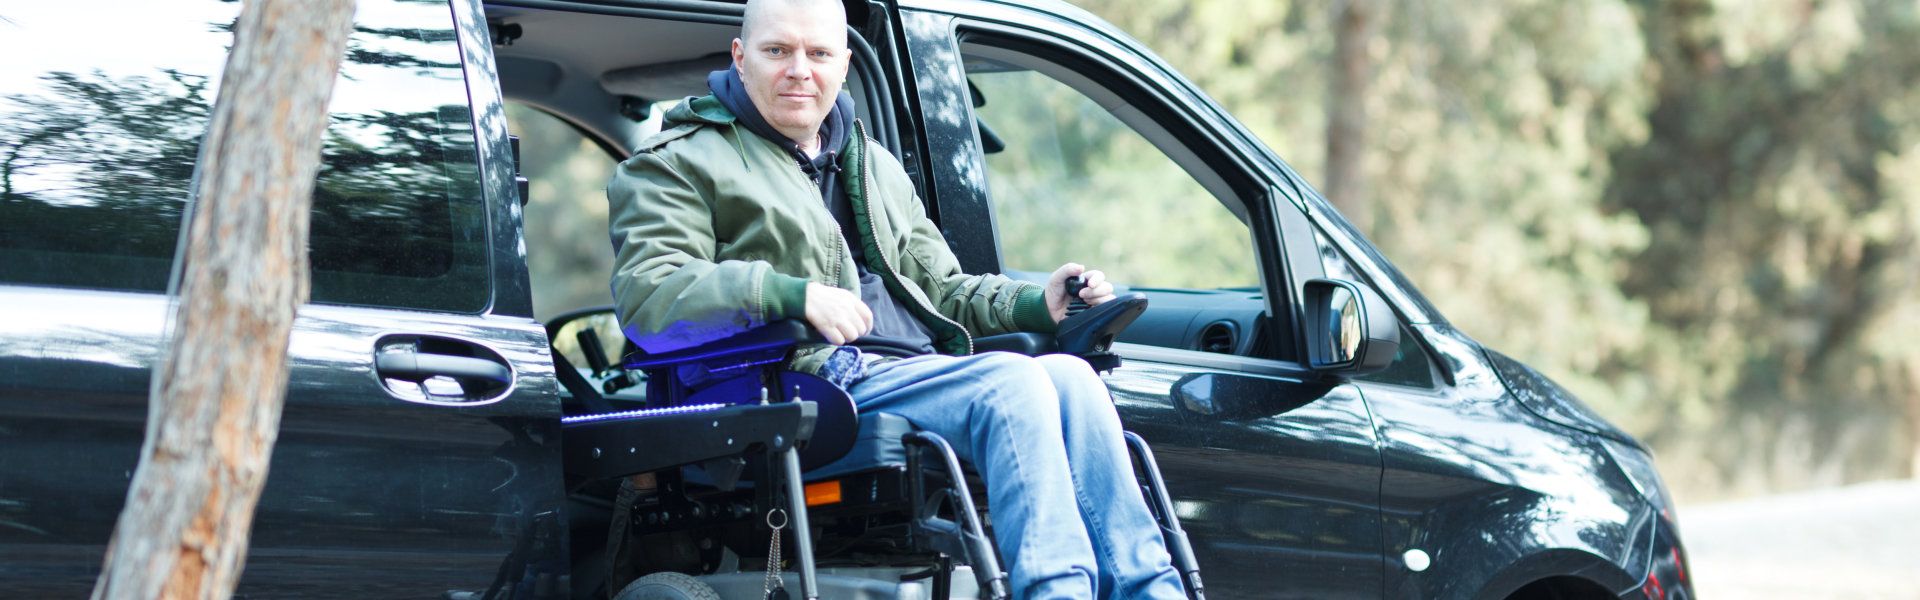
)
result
[(767, 201)]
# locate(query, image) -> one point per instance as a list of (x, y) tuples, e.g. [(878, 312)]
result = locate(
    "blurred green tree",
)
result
[(1711, 205)]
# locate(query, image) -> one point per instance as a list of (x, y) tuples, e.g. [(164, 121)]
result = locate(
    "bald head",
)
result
[(759, 11), (792, 58)]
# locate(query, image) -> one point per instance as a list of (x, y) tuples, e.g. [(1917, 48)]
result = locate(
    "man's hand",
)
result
[(838, 314), (1098, 290)]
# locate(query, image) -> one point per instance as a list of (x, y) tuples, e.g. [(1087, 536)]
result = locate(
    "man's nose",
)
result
[(796, 67)]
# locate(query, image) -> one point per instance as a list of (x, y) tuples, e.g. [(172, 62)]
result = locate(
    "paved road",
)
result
[(1857, 542)]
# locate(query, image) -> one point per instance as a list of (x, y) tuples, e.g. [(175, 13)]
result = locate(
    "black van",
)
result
[(1454, 472)]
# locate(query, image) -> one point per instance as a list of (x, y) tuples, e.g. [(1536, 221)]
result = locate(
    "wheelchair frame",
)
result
[(752, 421)]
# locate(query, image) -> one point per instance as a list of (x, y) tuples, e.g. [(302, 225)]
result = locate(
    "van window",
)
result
[(1078, 172), (98, 145), (1073, 182)]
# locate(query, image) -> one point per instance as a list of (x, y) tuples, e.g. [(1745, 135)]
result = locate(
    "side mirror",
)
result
[(1350, 329)]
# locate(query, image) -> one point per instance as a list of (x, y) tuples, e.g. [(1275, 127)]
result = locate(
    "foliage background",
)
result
[(1700, 215)]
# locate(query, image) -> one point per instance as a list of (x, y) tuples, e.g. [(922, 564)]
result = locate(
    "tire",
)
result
[(667, 586)]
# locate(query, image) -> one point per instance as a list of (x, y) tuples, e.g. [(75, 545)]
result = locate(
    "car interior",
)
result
[(607, 74), (613, 77)]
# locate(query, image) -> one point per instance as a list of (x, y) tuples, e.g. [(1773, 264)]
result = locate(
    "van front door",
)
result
[(1065, 145)]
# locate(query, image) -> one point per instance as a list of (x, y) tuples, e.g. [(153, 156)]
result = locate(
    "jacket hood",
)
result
[(704, 110)]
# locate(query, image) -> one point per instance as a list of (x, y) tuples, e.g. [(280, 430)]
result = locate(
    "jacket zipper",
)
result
[(866, 196), (841, 250)]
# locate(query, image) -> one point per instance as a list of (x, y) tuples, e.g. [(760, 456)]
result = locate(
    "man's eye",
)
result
[(776, 51)]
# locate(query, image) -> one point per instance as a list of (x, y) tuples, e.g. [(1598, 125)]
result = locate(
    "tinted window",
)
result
[(102, 107)]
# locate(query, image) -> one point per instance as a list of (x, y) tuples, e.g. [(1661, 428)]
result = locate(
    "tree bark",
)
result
[(217, 392), (1912, 392), (1347, 110)]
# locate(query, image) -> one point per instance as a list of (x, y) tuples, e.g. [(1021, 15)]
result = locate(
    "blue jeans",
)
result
[(1067, 513)]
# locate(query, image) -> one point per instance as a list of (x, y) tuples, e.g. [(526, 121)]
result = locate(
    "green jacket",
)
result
[(717, 231)]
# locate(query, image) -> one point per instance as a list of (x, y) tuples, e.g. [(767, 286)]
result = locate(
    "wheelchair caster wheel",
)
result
[(667, 586)]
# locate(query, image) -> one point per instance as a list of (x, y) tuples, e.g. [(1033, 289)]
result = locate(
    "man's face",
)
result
[(794, 65)]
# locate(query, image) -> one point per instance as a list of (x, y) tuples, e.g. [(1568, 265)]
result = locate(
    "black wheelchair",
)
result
[(699, 473)]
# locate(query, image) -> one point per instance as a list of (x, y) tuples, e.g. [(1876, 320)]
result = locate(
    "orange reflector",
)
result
[(825, 492)]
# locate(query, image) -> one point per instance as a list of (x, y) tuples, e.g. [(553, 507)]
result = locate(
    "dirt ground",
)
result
[(1858, 542)]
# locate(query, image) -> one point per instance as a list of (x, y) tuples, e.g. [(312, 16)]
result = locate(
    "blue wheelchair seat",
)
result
[(876, 445)]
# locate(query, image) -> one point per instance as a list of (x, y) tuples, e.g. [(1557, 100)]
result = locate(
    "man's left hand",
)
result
[(1098, 290)]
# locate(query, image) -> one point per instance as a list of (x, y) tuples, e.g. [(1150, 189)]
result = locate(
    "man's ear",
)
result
[(739, 52)]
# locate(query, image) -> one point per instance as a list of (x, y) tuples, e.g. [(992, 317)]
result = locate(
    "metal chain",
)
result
[(773, 555)]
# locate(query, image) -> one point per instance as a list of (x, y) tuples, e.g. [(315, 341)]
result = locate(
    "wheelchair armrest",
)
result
[(778, 334), (1088, 335), (679, 436), (1030, 344), (1092, 331)]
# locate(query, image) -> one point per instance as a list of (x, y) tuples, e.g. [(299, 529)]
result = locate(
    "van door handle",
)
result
[(412, 365), (431, 369)]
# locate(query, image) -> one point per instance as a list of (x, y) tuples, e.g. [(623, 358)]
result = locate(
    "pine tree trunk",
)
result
[(217, 393), (1347, 110)]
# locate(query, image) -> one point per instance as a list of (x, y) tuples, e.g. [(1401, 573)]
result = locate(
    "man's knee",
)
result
[(1068, 370), (1010, 365), (1018, 382), (1083, 395)]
